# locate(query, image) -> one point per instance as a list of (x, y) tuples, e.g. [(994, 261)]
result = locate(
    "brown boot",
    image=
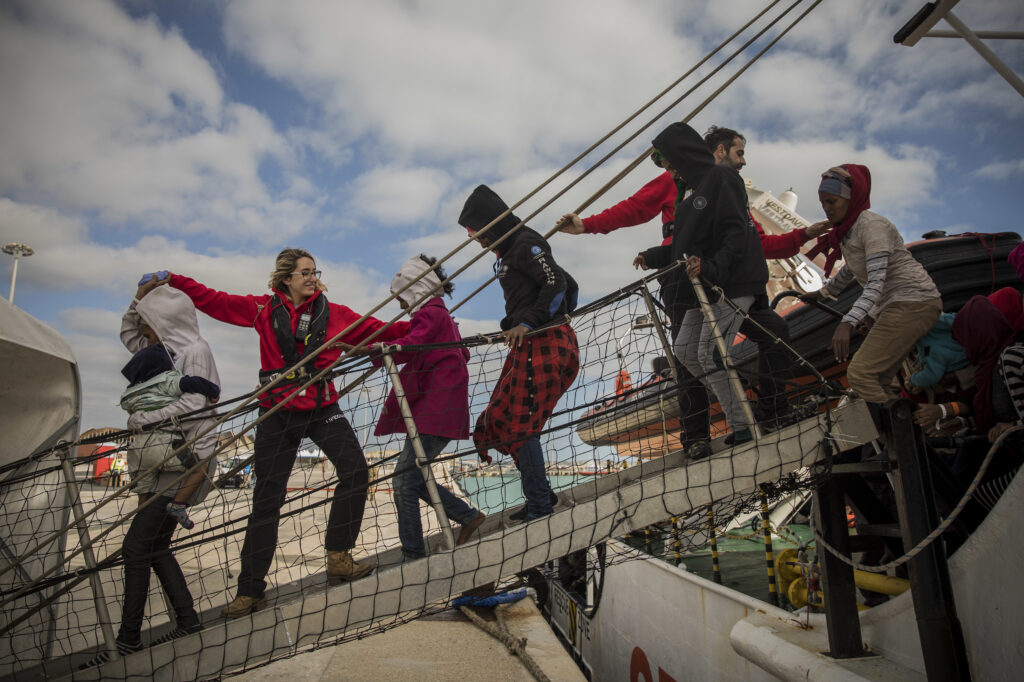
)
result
[(341, 566), (242, 606), (468, 529)]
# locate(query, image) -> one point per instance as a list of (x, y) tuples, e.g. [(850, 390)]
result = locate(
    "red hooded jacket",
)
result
[(254, 311), (659, 197)]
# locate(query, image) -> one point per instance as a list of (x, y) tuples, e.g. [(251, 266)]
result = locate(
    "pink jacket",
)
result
[(436, 381)]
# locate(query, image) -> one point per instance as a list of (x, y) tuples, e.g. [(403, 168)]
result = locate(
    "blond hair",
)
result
[(284, 266)]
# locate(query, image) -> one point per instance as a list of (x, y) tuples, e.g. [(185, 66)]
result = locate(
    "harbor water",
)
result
[(741, 553)]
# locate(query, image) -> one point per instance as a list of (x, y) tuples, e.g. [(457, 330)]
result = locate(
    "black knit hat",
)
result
[(482, 207)]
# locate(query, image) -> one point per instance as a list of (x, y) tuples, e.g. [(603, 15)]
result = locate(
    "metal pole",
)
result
[(74, 498), (421, 457), (841, 619), (653, 312), (734, 378), (769, 555), (14, 276), (676, 545), (716, 572), (942, 639), (988, 55)]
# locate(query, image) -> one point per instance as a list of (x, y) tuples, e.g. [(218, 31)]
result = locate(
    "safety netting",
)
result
[(612, 454)]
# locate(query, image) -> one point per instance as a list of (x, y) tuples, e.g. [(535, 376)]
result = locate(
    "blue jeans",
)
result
[(536, 489), (410, 488)]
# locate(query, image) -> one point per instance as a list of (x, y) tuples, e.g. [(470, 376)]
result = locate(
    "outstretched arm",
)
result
[(229, 308)]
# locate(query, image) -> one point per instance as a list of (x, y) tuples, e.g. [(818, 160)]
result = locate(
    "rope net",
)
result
[(612, 455)]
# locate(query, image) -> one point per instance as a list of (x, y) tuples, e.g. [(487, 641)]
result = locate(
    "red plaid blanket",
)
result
[(536, 374)]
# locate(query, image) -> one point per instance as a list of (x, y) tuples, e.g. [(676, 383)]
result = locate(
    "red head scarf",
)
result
[(983, 332), (1010, 304), (859, 180)]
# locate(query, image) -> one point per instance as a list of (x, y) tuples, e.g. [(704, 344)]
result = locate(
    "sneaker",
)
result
[(698, 450), (179, 511), (341, 566), (123, 649), (177, 633), (520, 515), (738, 437), (469, 528), (242, 606)]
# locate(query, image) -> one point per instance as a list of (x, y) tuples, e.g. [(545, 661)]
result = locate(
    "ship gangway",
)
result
[(305, 613)]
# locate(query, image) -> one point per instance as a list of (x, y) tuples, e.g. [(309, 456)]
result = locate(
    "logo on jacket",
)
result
[(700, 203), (536, 250)]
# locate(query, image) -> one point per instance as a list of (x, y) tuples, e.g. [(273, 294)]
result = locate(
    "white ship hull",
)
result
[(657, 622)]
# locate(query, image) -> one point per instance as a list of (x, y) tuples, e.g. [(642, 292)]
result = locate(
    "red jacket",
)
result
[(436, 381), (254, 311), (659, 196)]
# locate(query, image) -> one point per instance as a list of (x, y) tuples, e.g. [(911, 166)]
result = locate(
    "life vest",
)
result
[(311, 331)]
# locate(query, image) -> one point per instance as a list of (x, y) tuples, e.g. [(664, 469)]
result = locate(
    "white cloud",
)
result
[(1001, 170), (123, 119), (396, 196), (445, 80)]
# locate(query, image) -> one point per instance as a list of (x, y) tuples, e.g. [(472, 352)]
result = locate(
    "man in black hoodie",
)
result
[(540, 366), (716, 236)]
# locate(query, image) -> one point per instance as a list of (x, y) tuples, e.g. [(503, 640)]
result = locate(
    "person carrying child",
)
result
[(172, 373), (436, 386)]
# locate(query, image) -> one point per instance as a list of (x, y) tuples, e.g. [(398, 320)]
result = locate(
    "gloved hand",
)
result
[(148, 277), (196, 384)]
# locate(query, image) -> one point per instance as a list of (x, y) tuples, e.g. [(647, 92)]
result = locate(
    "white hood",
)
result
[(172, 316), (420, 292)]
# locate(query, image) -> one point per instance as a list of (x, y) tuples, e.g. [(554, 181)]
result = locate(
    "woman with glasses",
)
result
[(293, 322)]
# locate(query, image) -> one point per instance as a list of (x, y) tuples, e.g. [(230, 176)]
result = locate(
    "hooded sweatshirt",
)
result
[(536, 289), (173, 317), (713, 222)]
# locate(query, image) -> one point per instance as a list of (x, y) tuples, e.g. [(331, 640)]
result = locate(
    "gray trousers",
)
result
[(695, 347)]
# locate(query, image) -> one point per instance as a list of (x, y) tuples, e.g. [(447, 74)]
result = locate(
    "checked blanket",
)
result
[(535, 375)]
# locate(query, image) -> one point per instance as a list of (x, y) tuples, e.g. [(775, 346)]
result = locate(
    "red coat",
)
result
[(656, 197), (436, 381), (659, 196), (254, 311)]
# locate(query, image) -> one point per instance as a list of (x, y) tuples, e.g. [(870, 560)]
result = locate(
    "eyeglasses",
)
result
[(306, 274)]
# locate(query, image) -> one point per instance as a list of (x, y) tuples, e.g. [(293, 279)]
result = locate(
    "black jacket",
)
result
[(712, 222), (536, 289)]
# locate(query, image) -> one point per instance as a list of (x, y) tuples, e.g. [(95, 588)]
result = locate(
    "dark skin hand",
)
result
[(349, 349), (927, 414), (153, 283), (514, 336), (693, 267), (998, 430), (841, 341)]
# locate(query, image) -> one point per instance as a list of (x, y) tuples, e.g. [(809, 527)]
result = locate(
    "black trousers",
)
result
[(277, 444), (764, 326), (147, 546)]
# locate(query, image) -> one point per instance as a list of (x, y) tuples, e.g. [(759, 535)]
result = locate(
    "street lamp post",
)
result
[(15, 249)]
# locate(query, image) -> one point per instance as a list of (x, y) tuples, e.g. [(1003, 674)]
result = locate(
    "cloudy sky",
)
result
[(202, 137)]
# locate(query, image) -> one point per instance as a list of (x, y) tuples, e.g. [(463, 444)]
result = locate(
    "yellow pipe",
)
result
[(878, 582)]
